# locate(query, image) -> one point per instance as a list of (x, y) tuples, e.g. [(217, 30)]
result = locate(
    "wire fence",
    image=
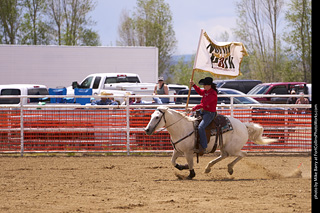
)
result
[(105, 128)]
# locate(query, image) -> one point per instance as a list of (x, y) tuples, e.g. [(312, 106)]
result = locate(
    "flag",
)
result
[(219, 58)]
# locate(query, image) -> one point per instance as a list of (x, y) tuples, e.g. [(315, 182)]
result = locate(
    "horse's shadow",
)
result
[(225, 179), (233, 179)]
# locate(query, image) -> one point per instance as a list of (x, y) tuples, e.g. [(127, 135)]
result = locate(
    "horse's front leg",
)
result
[(189, 157), (175, 155)]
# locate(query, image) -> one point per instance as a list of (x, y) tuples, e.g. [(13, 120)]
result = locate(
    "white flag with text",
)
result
[(219, 58)]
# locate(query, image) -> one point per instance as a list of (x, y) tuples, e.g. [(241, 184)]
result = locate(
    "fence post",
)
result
[(286, 123), (128, 124), (231, 106), (21, 128)]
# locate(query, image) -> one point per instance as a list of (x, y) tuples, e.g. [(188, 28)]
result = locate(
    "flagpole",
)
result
[(189, 90), (194, 64)]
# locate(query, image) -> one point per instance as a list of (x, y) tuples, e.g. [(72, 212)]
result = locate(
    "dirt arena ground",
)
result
[(149, 184)]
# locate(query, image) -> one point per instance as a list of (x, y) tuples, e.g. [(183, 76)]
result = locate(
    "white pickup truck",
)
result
[(104, 81), (21, 89), (119, 84)]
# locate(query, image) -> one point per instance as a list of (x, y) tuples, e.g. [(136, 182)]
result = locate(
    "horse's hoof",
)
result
[(191, 175), (230, 170), (207, 170), (178, 166), (182, 167)]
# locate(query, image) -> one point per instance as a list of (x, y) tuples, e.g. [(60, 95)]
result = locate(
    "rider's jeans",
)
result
[(207, 117)]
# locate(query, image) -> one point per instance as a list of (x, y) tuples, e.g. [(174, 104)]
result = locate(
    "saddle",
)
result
[(219, 125)]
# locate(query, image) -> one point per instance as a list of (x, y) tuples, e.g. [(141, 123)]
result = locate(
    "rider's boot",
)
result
[(200, 151)]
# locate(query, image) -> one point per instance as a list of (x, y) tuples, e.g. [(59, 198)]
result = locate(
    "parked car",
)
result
[(241, 85), (119, 84), (277, 88), (221, 91), (270, 117), (310, 91), (177, 87), (22, 89)]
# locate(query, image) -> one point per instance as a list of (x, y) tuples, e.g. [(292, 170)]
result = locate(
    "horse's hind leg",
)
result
[(218, 159), (231, 165)]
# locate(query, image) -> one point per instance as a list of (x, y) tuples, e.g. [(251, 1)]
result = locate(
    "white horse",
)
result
[(181, 130)]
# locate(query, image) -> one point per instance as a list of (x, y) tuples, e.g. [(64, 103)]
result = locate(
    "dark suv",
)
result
[(241, 85)]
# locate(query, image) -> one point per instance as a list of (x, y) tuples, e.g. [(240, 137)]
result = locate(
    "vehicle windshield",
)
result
[(225, 100), (86, 83), (237, 100), (218, 83), (245, 100), (259, 89), (127, 79)]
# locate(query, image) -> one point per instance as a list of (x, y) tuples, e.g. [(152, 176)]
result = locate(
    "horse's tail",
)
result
[(255, 132)]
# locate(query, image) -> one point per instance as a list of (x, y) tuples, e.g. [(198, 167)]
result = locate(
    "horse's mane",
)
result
[(191, 119)]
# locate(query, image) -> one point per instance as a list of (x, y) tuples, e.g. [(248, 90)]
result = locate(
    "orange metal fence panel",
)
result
[(10, 130), (105, 130), (139, 141), (292, 129)]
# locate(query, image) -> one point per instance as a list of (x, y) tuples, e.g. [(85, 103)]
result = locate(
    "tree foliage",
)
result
[(299, 34), (33, 28), (257, 27), (182, 71), (62, 22), (149, 25), (10, 16), (276, 33), (277, 37), (273, 56)]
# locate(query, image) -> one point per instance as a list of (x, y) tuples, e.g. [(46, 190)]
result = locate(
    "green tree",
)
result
[(62, 22), (126, 30), (89, 38), (181, 71), (149, 25), (77, 20), (34, 28), (70, 23), (299, 35), (10, 14), (257, 27), (56, 19)]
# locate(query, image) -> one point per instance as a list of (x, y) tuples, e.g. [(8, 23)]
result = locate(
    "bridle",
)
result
[(166, 127), (164, 118)]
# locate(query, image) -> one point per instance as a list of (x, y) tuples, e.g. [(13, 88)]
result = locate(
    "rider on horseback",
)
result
[(208, 105)]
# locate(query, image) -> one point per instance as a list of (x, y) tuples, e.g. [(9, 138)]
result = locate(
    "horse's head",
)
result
[(157, 120)]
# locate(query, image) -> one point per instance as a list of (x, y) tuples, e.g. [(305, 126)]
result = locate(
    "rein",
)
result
[(166, 127), (164, 118)]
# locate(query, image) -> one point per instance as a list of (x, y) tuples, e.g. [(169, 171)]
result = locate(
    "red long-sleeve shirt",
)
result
[(209, 99)]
